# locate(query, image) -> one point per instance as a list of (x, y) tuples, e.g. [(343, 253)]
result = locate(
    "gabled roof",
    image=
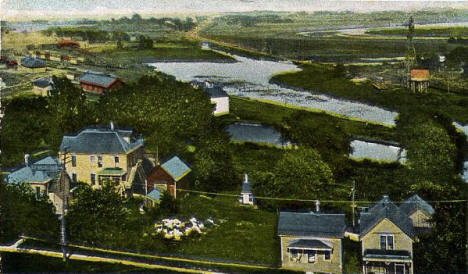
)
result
[(413, 203), (311, 224), (215, 92), (385, 209), (99, 140), (42, 82), (98, 79), (176, 168), (154, 194), (31, 62)]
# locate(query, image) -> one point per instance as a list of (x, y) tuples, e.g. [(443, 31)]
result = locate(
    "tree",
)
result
[(97, 216), (119, 44), (168, 205), (68, 109), (21, 211), (298, 174)]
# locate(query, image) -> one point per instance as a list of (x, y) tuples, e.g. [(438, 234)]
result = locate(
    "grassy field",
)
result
[(323, 78), (17, 262), (423, 31)]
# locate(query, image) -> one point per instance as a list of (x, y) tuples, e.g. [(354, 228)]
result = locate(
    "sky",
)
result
[(30, 9)]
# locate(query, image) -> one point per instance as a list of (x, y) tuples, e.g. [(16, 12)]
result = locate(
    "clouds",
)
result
[(90, 8)]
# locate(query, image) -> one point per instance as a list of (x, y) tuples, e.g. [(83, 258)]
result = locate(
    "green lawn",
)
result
[(423, 31), (323, 78)]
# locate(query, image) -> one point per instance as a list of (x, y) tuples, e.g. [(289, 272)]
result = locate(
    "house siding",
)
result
[(334, 265), (221, 105), (84, 167), (419, 219), (158, 175)]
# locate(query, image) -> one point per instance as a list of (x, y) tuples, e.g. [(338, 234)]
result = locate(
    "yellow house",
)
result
[(419, 211), (311, 241), (387, 235), (101, 154), (42, 86)]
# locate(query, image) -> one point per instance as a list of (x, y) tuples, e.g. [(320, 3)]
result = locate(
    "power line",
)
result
[(313, 200)]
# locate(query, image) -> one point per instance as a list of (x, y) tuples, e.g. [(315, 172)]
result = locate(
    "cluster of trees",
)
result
[(252, 20), (175, 23), (91, 34), (145, 42)]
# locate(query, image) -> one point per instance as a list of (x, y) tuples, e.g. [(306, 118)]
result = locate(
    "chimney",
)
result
[(317, 206), (112, 125), (26, 159)]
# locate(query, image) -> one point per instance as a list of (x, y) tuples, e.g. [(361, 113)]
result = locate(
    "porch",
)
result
[(387, 262)]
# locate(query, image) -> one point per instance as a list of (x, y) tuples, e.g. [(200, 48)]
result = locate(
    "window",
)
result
[(38, 192), (116, 159), (99, 160), (124, 178), (93, 179), (326, 255), (74, 177), (386, 242), (73, 160), (91, 159)]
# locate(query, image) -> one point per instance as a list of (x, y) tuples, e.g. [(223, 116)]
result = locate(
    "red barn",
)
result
[(68, 43), (166, 176), (99, 82)]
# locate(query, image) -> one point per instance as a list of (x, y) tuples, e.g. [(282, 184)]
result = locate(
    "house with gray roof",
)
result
[(311, 241), (166, 176), (419, 211), (39, 174), (100, 154), (218, 97), (42, 86), (99, 83), (32, 65), (386, 234)]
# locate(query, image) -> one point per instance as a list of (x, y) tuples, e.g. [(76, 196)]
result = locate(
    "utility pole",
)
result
[(353, 203), (63, 241), (1, 117)]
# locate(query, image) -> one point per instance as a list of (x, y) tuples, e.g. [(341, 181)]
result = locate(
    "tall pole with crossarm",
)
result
[(1, 117), (62, 182)]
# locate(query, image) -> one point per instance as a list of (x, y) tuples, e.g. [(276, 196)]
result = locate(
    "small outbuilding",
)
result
[(32, 65), (246, 197), (166, 176), (42, 86), (419, 80), (99, 83)]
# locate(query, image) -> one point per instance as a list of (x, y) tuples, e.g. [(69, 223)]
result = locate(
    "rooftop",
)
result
[(42, 82), (419, 74), (311, 224), (385, 209), (42, 170), (215, 92), (98, 79), (176, 168), (413, 203), (31, 62), (100, 140), (387, 254), (309, 244)]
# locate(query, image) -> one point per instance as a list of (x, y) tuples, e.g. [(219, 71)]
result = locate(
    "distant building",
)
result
[(419, 211), (32, 65), (246, 197), (42, 86), (166, 176), (311, 241), (99, 82), (100, 154), (205, 45), (386, 234), (218, 97), (419, 80)]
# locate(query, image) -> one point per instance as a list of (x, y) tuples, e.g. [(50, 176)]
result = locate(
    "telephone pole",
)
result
[(63, 240), (1, 117), (353, 203)]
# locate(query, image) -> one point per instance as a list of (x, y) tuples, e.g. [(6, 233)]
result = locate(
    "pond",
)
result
[(464, 129), (256, 133), (376, 151), (250, 78)]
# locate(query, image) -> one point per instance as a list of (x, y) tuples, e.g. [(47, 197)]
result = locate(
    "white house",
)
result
[(246, 197)]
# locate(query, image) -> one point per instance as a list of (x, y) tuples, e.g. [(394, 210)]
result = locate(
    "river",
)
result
[(250, 78)]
